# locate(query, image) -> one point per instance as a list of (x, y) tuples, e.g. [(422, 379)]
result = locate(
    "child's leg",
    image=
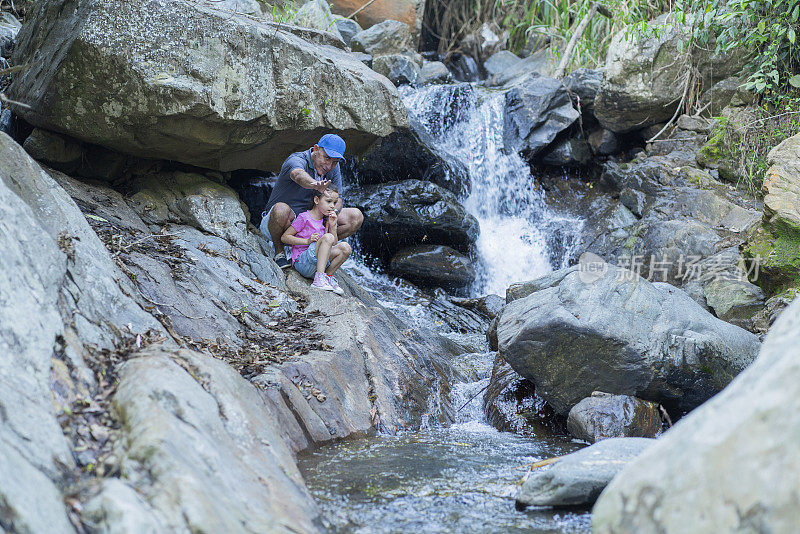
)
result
[(323, 250), (342, 252)]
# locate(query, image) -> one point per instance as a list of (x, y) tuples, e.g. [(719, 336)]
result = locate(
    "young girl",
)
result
[(315, 243)]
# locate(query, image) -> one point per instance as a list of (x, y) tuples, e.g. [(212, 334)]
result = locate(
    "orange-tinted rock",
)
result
[(408, 11)]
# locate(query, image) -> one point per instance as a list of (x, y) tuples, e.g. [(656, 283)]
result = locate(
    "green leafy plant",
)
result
[(766, 30), (283, 13)]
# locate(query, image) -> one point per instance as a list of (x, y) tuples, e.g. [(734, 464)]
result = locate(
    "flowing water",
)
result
[(462, 477), (520, 237)]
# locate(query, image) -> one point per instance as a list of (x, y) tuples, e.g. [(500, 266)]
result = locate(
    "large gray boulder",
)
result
[(197, 85), (579, 331), (32, 270), (578, 478), (537, 110), (644, 73), (731, 465), (182, 409), (407, 213)]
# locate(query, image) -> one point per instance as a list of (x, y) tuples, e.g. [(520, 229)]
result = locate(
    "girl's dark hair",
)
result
[(318, 194)]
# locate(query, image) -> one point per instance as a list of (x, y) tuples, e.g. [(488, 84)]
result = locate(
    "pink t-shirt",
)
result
[(305, 225)]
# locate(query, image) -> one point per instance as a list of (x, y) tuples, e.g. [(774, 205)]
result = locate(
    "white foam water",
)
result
[(464, 123)]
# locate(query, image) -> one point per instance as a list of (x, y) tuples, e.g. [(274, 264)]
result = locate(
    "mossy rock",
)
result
[(778, 253), (715, 155)]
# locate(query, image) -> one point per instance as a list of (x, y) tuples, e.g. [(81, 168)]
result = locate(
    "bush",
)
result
[(551, 19), (741, 142)]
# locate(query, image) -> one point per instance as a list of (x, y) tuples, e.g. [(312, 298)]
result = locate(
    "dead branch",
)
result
[(576, 36)]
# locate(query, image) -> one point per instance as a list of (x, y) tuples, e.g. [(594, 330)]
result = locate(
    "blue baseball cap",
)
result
[(333, 144)]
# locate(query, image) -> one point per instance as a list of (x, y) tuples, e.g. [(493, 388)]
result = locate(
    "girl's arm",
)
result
[(289, 237), (332, 226)]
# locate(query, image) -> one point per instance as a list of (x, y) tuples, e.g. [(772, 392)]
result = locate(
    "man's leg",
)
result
[(350, 220), (280, 217)]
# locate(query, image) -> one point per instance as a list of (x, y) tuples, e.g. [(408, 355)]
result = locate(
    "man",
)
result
[(302, 172)]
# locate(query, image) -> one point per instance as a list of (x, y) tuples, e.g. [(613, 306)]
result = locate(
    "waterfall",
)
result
[(464, 123)]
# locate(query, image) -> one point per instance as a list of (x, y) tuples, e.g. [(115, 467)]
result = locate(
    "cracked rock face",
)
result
[(97, 293), (187, 82)]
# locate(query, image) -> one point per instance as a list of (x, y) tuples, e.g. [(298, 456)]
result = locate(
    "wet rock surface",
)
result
[(403, 155), (584, 84), (537, 110), (578, 478), (603, 416), (512, 405), (433, 264), (410, 212), (9, 27)]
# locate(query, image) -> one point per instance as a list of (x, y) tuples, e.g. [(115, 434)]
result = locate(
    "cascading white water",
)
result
[(460, 477), (463, 123)]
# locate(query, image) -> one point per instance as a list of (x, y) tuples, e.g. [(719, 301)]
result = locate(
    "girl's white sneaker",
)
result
[(335, 285), (321, 282)]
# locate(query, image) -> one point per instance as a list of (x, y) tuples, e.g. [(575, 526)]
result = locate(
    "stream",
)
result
[(462, 477)]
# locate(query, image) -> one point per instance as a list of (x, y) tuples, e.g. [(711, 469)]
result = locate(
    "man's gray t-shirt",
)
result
[(288, 191)]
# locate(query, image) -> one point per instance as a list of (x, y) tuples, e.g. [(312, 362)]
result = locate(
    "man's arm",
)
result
[(303, 179), (336, 179)]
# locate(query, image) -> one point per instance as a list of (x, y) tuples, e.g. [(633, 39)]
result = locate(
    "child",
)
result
[(315, 244)]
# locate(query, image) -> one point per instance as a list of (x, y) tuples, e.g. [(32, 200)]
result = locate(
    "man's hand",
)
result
[(321, 185)]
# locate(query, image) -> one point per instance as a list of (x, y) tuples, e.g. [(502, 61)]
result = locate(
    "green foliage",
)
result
[(557, 19), (548, 20), (769, 30)]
